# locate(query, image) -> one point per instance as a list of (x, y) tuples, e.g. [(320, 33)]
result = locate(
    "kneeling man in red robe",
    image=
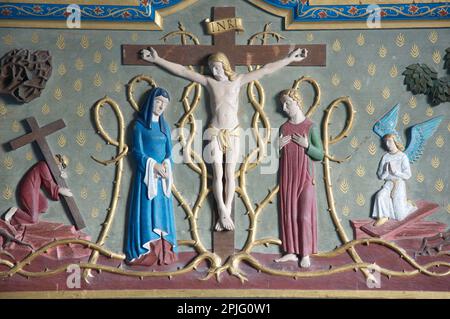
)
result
[(32, 201)]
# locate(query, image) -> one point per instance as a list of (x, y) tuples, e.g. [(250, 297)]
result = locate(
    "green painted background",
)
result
[(101, 73)]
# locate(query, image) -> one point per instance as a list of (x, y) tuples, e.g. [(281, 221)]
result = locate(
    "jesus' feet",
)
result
[(10, 213), (305, 262), (287, 257), (218, 226), (224, 223)]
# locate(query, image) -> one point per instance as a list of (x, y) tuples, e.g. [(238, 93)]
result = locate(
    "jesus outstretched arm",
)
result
[(152, 56), (295, 56)]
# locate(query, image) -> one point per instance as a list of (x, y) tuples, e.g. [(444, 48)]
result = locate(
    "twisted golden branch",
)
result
[(327, 140), (131, 88), (122, 150), (232, 265), (316, 87), (18, 268), (27, 260)]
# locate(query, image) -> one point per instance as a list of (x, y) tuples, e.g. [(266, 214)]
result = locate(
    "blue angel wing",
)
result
[(419, 134), (387, 124)]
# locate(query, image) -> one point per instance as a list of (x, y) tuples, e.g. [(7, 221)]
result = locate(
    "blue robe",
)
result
[(146, 216)]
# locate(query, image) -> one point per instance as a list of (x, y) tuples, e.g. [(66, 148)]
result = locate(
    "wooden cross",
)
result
[(38, 135), (223, 242)]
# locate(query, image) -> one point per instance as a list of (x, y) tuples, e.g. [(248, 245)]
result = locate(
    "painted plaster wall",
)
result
[(365, 65)]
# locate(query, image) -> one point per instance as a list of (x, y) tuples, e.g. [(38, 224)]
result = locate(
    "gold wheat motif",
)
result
[(103, 194), (415, 51), (84, 193), (79, 64), (436, 57), (35, 38), (386, 93), (344, 186), (113, 67), (3, 109), (80, 110), (62, 141), (350, 60), (81, 138), (372, 148), (309, 37), (58, 94), (345, 210), (370, 108), (84, 42), (29, 156), (98, 147), (108, 42), (78, 85), (360, 200), (62, 69), (412, 102), (118, 87), (420, 177), (94, 212), (429, 111), (440, 141), (79, 168), (400, 40), (354, 142), (335, 80), (360, 171), (134, 37), (97, 80), (360, 40), (15, 126), (96, 177), (7, 192), (357, 84), (406, 118), (60, 43), (372, 69), (8, 39), (45, 109), (8, 162), (433, 37), (337, 45), (382, 51), (435, 162), (439, 185), (97, 57), (393, 72)]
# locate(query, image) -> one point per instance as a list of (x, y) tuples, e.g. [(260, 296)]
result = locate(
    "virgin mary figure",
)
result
[(150, 235)]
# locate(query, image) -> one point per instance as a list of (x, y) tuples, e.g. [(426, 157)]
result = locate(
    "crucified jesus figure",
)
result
[(224, 88)]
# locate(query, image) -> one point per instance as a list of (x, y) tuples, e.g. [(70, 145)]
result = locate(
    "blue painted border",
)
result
[(303, 12), (109, 13)]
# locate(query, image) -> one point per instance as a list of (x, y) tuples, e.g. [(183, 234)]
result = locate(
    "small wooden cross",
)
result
[(38, 135), (223, 242)]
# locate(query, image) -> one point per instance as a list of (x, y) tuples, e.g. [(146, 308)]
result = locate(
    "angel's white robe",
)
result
[(391, 200)]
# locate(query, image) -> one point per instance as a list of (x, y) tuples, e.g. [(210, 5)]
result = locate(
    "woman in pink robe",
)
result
[(300, 145)]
